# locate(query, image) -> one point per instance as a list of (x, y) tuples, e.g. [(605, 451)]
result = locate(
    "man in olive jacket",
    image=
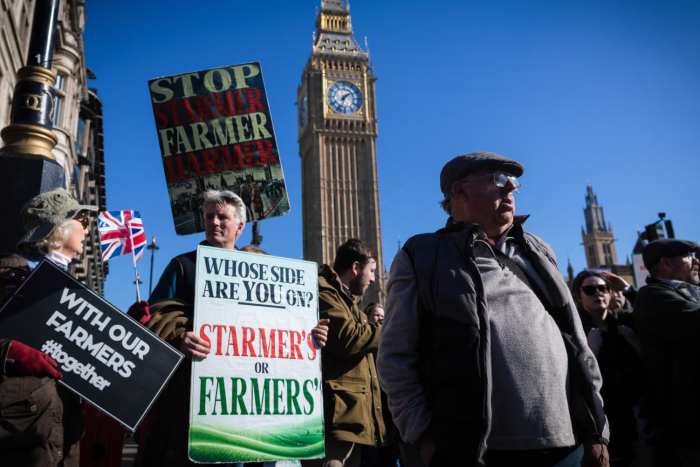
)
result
[(352, 399), (667, 315)]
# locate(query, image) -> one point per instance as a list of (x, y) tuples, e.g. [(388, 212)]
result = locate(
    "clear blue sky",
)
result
[(572, 89)]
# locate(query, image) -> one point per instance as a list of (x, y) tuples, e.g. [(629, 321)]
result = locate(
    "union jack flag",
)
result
[(115, 227)]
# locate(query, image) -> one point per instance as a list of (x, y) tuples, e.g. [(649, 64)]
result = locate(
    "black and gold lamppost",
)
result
[(27, 166)]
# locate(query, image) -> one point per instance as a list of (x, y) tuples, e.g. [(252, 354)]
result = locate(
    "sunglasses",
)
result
[(500, 179), (590, 290), (83, 219)]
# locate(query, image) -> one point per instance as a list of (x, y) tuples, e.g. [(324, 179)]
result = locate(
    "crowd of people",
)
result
[(481, 355)]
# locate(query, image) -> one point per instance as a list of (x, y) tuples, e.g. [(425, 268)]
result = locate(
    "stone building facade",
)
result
[(77, 115), (337, 144)]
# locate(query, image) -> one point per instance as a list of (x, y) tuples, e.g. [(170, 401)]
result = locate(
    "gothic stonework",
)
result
[(337, 144), (599, 240)]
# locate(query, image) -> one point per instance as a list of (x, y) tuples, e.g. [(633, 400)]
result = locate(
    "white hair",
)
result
[(54, 241), (223, 197)]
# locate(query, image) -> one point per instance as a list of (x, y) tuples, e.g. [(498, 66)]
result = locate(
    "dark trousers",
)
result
[(557, 457)]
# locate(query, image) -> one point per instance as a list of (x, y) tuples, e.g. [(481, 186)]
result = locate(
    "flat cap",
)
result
[(664, 248), (460, 166)]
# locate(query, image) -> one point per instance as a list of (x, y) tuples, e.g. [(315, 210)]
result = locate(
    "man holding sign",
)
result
[(224, 220)]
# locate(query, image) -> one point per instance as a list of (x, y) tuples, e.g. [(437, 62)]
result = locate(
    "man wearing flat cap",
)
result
[(667, 315), (483, 356)]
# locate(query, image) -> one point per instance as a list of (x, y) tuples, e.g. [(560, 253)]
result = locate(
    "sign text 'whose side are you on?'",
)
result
[(260, 284)]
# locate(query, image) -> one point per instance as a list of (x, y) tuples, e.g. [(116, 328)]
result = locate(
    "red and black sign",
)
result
[(215, 131)]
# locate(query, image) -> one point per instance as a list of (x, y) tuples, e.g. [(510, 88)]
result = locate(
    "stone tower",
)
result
[(598, 240), (337, 144)]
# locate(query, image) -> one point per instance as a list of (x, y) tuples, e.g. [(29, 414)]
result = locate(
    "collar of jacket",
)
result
[(468, 233), (332, 280), (677, 287), (673, 283), (453, 226), (657, 281)]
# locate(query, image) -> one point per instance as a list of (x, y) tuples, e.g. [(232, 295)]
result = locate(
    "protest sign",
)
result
[(215, 131), (105, 357), (257, 396), (640, 271)]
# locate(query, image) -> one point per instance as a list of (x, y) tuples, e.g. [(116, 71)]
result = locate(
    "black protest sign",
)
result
[(104, 356), (215, 131)]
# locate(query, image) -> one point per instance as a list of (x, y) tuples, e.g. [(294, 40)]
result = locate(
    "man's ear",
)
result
[(666, 263), (459, 192), (356, 268)]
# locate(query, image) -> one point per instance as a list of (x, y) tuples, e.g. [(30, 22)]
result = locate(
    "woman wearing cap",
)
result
[(613, 341), (41, 423)]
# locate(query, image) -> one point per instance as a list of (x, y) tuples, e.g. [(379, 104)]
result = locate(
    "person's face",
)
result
[(617, 299), (364, 277), (220, 226), (683, 268), (376, 314), (487, 204), (598, 302), (73, 246)]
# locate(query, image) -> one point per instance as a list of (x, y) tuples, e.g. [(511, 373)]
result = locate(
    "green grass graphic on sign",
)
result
[(302, 441)]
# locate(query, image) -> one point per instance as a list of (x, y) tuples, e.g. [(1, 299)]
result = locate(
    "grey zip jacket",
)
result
[(525, 370)]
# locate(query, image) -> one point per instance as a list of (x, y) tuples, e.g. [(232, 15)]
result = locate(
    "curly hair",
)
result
[(54, 241)]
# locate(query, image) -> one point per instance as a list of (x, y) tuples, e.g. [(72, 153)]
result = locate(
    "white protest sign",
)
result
[(257, 396), (640, 271)]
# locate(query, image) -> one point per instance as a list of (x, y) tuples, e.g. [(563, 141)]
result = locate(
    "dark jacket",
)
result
[(41, 422), (351, 394), (167, 429), (168, 425), (454, 342), (668, 322), (178, 279), (622, 371)]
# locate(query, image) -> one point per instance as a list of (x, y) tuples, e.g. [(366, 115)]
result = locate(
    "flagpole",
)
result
[(133, 256)]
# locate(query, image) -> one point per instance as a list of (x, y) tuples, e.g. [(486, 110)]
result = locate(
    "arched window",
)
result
[(59, 99)]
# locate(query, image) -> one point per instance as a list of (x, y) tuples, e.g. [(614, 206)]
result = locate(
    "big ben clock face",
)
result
[(302, 111), (344, 97)]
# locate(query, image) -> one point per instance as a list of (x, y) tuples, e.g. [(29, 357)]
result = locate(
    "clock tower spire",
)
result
[(337, 144)]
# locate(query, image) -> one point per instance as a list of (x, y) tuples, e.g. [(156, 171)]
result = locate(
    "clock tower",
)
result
[(337, 144)]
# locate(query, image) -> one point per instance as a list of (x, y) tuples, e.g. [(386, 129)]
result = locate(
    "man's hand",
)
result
[(26, 361), (616, 282), (427, 449), (320, 333), (595, 340), (595, 454), (193, 346), (140, 312)]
